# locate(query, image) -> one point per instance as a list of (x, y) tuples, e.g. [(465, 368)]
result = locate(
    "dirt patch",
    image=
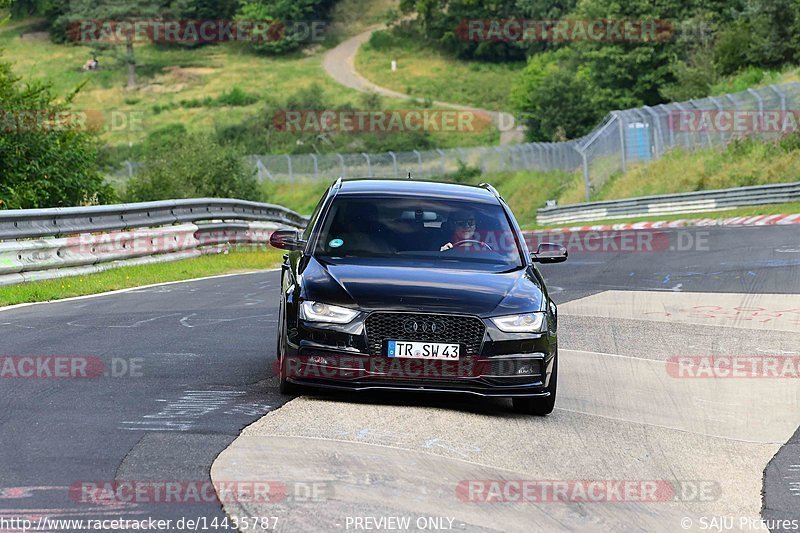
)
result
[(189, 74), (35, 36), (161, 89)]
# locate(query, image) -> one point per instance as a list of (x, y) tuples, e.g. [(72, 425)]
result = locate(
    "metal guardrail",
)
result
[(671, 204), (55, 222), (38, 244)]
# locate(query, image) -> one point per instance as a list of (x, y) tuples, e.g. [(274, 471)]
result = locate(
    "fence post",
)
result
[(341, 163), (685, 133), (261, 169), (658, 133), (782, 97), (394, 162), (587, 186), (719, 109), (760, 108), (419, 161), (289, 163), (316, 166), (369, 165), (669, 124), (623, 155)]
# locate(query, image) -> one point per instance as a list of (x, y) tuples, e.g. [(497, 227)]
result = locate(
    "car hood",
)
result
[(420, 287)]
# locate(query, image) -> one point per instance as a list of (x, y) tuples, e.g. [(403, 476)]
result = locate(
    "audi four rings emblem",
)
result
[(424, 326)]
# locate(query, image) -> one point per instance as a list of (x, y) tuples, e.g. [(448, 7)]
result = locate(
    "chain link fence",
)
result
[(623, 139), (538, 156)]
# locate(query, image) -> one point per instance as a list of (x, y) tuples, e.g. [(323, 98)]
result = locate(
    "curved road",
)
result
[(186, 366), (339, 63)]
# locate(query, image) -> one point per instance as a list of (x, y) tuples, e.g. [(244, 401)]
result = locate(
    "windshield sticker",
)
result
[(335, 243)]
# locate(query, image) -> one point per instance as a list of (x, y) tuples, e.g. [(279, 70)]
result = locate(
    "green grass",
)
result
[(184, 86), (740, 165), (238, 260), (426, 73)]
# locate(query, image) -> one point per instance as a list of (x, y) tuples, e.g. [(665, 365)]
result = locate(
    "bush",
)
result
[(236, 97), (193, 166)]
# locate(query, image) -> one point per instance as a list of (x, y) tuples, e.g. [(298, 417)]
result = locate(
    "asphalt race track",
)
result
[(184, 367)]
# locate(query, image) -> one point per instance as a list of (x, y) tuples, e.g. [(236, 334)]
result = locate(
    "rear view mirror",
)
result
[(287, 239), (547, 252)]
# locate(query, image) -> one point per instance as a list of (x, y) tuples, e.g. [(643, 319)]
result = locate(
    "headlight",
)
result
[(525, 323), (319, 312)]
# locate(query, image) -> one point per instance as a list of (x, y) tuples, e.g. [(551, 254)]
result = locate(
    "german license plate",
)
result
[(423, 350)]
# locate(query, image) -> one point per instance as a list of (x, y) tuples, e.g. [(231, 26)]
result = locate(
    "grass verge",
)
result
[(238, 260), (426, 73)]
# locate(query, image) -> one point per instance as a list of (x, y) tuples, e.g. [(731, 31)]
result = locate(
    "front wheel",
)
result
[(284, 386), (540, 406)]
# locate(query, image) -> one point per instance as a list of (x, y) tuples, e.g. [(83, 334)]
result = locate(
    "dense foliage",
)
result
[(192, 166), (578, 81), (46, 158)]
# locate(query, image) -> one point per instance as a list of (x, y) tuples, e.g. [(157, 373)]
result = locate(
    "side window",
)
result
[(314, 217)]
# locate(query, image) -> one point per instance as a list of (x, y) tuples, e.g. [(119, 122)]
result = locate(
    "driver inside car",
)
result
[(464, 232)]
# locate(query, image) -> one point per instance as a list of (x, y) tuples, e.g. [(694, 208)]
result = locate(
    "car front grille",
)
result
[(423, 327)]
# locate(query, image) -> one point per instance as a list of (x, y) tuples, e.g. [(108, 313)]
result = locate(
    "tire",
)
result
[(284, 386), (540, 406)]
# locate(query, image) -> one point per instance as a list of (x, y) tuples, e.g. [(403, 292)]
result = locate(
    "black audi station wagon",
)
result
[(417, 286)]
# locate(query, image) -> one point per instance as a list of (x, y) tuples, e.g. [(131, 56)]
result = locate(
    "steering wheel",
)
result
[(472, 241)]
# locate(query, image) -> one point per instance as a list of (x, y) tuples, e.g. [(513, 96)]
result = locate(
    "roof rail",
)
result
[(491, 189), (338, 184)]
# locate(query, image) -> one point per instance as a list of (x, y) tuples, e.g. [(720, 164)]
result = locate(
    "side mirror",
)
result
[(287, 239), (547, 252)]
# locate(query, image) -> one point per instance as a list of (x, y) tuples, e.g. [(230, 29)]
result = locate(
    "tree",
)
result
[(285, 36), (113, 12), (556, 99), (46, 158)]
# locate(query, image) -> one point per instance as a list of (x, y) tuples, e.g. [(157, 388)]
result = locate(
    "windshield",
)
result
[(448, 232)]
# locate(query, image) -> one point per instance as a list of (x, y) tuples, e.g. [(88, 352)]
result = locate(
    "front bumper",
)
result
[(338, 357)]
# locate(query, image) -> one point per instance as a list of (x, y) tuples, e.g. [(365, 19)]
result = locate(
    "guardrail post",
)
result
[(394, 163), (369, 166)]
